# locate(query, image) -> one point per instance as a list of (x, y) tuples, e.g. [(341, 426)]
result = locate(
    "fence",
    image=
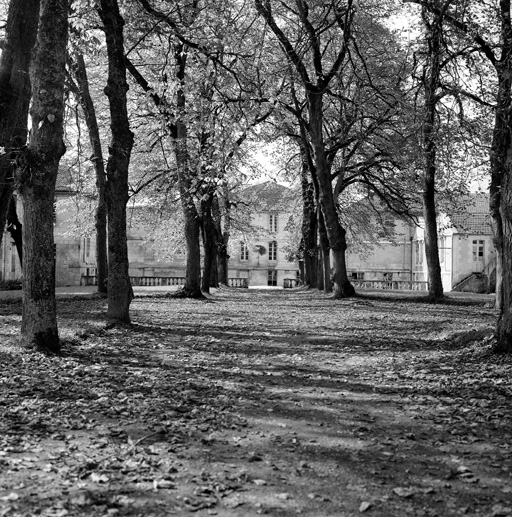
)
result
[(400, 285), (159, 281), (145, 281)]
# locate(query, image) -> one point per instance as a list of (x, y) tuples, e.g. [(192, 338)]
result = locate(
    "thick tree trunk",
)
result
[(85, 99), (500, 199), (120, 292), (320, 270), (435, 284), (222, 242), (325, 266), (192, 287), (335, 232), (209, 243), (500, 146), (309, 229), (223, 271), (38, 176), (15, 92), (431, 85), (504, 325)]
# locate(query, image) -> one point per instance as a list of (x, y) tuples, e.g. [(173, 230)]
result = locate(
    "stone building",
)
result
[(466, 252)]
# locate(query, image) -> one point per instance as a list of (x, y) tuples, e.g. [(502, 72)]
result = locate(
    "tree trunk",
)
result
[(335, 232), (85, 99), (500, 146), (209, 242), (222, 242), (120, 292), (504, 324), (320, 270), (309, 229), (325, 265), (15, 92), (192, 287), (38, 175), (431, 84)]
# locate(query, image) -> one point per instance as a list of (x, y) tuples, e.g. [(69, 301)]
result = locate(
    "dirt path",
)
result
[(253, 403)]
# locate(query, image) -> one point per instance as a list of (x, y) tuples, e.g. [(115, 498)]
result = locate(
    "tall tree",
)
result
[(431, 83), (15, 92), (37, 177), (319, 63), (120, 292), (80, 87), (498, 53)]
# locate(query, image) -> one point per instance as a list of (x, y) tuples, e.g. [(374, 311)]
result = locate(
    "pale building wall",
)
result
[(386, 257), (464, 264), (256, 267)]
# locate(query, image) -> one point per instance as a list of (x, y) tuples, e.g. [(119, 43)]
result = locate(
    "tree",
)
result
[(325, 53), (80, 87), (488, 40), (15, 92), (37, 176), (120, 292)]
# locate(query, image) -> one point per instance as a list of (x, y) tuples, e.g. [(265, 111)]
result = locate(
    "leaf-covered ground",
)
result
[(250, 403)]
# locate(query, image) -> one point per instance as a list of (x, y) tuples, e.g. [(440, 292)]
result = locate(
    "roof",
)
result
[(472, 215), (269, 196)]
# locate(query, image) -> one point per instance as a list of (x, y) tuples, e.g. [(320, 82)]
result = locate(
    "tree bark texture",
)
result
[(209, 242), (431, 85), (15, 92), (309, 230), (223, 240), (38, 175), (84, 96), (120, 292), (504, 324), (325, 264), (192, 287), (335, 232)]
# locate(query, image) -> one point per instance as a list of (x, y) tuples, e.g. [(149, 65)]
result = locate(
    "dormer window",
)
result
[(272, 220)]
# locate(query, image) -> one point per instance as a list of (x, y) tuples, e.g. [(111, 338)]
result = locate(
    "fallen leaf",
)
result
[(403, 492), (365, 505), (13, 496), (99, 478)]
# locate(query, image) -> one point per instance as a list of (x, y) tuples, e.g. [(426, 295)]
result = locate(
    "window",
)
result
[(419, 252), (13, 257), (442, 249), (272, 250), (272, 223), (478, 251), (272, 277), (357, 275), (86, 249), (244, 251)]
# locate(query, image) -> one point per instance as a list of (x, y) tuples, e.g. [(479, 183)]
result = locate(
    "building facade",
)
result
[(258, 256), (466, 252)]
